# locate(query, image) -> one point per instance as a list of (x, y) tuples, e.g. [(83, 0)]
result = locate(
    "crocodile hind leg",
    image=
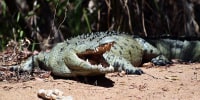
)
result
[(121, 64), (161, 60), (152, 53)]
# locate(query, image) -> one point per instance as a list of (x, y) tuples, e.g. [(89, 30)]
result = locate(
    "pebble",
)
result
[(54, 94)]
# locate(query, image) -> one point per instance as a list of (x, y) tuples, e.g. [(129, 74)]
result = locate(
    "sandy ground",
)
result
[(178, 82)]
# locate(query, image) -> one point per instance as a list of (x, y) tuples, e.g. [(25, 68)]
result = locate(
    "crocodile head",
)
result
[(99, 53)]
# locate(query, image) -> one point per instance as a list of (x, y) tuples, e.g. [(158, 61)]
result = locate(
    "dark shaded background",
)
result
[(47, 22)]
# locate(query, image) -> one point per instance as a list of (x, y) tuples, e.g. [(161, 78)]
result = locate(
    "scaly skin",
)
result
[(104, 52), (63, 60), (187, 51)]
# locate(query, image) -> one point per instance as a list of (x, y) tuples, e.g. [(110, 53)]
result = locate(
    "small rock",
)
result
[(148, 65), (53, 95)]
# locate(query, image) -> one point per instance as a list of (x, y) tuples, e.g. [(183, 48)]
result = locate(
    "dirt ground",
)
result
[(178, 82)]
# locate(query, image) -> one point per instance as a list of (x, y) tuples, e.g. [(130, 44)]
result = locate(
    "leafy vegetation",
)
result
[(47, 22)]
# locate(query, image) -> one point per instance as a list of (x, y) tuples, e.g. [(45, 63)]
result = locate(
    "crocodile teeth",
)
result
[(107, 69), (96, 49), (87, 60), (99, 65)]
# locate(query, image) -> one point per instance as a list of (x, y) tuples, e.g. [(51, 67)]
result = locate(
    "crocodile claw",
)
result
[(139, 72), (136, 72), (161, 61)]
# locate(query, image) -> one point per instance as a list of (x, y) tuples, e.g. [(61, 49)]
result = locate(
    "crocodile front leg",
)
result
[(121, 64)]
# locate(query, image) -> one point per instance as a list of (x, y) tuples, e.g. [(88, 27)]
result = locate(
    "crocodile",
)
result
[(105, 52)]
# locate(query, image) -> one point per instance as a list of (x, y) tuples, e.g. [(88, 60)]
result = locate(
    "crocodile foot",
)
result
[(136, 72), (160, 61)]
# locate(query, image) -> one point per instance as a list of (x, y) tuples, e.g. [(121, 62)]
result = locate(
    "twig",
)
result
[(108, 3), (125, 4), (63, 19), (153, 76), (99, 18), (143, 24)]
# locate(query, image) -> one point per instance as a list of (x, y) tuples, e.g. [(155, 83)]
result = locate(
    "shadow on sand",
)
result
[(94, 80)]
